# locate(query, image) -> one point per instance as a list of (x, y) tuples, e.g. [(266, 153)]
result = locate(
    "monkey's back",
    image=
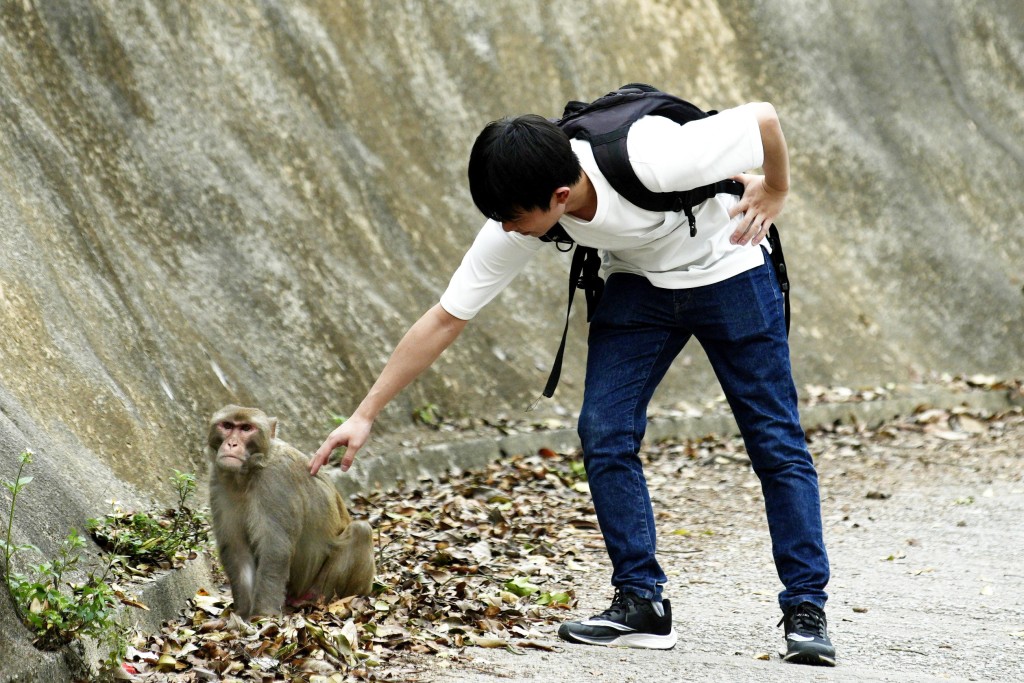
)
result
[(317, 507)]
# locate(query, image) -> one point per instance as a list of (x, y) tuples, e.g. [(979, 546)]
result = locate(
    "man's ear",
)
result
[(561, 195)]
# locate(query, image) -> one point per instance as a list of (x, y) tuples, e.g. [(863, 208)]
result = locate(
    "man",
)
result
[(664, 286)]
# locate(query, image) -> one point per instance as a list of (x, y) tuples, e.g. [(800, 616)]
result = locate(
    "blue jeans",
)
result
[(636, 333)]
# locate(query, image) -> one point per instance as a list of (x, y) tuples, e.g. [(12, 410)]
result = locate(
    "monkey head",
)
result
[(240, 437)]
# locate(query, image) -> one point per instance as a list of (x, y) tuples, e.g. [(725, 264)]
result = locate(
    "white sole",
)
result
[(646, 641)]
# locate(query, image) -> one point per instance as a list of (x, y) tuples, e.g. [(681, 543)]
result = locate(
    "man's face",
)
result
[(536, 222)]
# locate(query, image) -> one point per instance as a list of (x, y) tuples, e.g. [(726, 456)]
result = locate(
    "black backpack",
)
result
[(604, 123)]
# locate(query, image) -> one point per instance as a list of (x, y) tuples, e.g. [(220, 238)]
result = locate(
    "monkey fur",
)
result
[(282, 534)]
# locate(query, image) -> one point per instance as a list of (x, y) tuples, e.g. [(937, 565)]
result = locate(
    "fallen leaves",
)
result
[(482, 560), (821, 394), (490, 559)]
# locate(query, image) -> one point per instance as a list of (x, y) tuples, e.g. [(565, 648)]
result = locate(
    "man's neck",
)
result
[(582, 202)]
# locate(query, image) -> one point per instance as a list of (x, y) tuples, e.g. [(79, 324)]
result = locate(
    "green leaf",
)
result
[(521, 586), (560, 598), (429, 415)]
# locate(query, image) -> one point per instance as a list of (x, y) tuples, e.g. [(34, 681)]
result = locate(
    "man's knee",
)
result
[(601, 431), (592, 427)]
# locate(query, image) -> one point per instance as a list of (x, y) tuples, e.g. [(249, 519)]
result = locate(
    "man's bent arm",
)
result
[(763, 196), (419, 348), (776, 153)]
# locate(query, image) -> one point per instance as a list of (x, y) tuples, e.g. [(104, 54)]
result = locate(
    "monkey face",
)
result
[(239, 437), (235, 447)]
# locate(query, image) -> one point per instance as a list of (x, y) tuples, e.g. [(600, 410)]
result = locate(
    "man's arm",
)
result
[(764, 196), (776, 153), (419, 348)]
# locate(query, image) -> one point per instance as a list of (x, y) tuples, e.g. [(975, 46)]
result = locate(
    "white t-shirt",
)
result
[(666, 157)]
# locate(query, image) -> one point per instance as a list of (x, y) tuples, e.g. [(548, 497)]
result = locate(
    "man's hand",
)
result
[(760, 205), (419, 348), (353, 434)]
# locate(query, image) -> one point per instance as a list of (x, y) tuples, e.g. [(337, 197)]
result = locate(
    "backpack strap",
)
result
[(779, 262), (584, 273), (613, 159)]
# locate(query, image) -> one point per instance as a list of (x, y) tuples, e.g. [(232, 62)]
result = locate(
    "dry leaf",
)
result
[(489, 641)]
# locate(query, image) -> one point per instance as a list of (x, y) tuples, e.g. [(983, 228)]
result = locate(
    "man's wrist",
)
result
[(363, 415), (772, 189)]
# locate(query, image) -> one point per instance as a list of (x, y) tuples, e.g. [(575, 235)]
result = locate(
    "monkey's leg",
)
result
[(350, 567), (272, 566), (240, 566)]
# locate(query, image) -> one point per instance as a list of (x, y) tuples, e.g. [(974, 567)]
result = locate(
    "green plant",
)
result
[(578, 470), (56, 610), (143, 538), (190, 527), (430, 415), (10, 549)]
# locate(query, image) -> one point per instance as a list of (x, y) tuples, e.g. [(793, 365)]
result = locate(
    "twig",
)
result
[(680, 552)]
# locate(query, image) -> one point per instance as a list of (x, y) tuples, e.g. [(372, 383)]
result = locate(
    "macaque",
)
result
[(282, 533)]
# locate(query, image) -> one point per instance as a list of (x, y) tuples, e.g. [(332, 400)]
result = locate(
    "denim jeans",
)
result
[(636, 333)]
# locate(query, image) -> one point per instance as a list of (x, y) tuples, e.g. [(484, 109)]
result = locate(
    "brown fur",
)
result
[(281, 533)]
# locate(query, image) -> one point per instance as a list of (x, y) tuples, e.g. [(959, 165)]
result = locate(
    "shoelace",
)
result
[(806, 620), (619, 605)]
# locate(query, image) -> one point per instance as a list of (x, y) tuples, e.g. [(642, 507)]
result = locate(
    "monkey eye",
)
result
[(227, 426), (245, 427)]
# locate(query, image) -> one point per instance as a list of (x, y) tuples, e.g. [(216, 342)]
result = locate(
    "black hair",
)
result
[(517, 163)]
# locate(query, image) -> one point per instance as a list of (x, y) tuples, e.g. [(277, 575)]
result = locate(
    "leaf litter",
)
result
[(491, 558), (480, 559)]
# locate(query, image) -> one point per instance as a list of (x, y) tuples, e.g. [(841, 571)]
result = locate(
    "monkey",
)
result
[(282, 534)]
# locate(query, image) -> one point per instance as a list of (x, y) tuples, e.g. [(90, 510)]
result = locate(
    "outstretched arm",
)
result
[(419, 348), (764, 196)]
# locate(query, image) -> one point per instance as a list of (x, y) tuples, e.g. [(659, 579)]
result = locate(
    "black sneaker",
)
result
[(807, 636), (631, 621)]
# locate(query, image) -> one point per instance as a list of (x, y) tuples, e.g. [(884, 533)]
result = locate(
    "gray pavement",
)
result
[(927, 547)]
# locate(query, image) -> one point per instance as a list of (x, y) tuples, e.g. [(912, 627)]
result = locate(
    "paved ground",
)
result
[(924, 528)]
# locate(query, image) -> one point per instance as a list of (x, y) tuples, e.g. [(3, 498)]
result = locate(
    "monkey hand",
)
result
[(352, 434)]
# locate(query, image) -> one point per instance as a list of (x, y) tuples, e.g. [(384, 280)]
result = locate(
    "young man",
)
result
[(664, 286)]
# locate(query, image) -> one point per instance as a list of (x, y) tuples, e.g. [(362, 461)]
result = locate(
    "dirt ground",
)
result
[(923, 522)]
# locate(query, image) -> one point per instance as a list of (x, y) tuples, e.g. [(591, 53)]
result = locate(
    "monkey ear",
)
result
[(273, 427)]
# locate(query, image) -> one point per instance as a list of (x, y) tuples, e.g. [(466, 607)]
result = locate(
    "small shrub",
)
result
[(58, 611), (162, 540)]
